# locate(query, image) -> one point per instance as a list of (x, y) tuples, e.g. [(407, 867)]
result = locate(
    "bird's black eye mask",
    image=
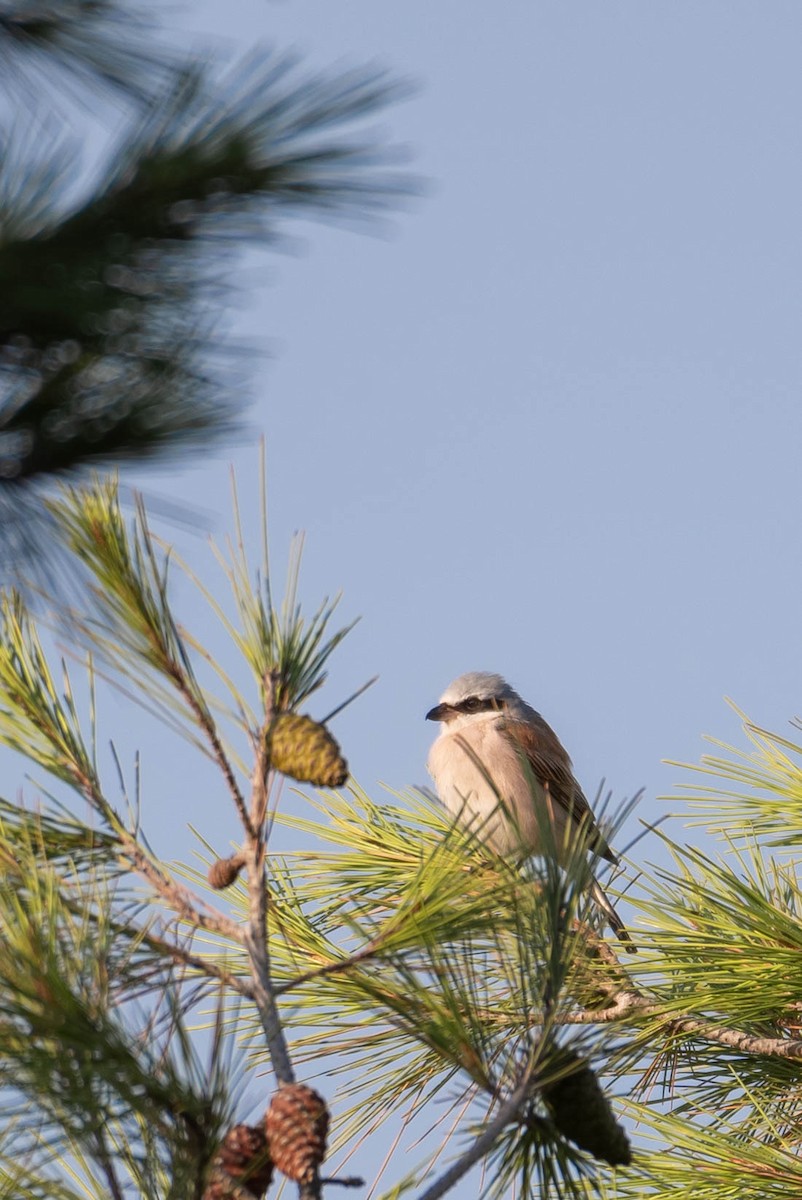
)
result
[(476, 704), (471, 704)]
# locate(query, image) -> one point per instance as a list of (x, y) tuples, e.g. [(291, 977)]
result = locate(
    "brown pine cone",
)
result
[(224, 871), (582, 1113), (305, 750), (296, 1124), (242, 1169)]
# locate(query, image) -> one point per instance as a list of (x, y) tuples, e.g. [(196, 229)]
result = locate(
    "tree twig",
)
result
[(107, 1165), (624, 999), (507, 1113), (203, 965), (204, 719), (264, 995), (179, 899), (336, 967), (635, 1003), (256, 931)]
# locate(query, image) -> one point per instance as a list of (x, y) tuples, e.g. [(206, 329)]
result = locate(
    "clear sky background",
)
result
[(548, 421)]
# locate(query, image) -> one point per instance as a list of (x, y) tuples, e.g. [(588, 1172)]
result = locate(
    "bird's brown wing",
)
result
[(551, 767)]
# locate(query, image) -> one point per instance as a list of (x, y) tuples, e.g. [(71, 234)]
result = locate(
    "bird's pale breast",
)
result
[(463, 764)]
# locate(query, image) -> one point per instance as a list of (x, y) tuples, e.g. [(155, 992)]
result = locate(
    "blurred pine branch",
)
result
[(106, 44), (104, 336), (110, 342)]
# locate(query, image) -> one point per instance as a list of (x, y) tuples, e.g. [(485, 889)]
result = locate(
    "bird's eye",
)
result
[(473, 703)]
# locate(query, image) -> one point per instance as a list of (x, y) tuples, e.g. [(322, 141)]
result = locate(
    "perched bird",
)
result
[(502, 769)]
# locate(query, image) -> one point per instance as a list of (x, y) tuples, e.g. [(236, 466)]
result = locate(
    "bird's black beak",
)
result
[(439, 712)]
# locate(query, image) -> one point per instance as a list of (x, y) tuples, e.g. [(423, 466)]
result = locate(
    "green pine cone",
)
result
[(582, 1113), (305, 750)]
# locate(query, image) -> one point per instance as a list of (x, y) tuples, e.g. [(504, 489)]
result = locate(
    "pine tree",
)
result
[(110, 348), (404, 989), (400, 979)]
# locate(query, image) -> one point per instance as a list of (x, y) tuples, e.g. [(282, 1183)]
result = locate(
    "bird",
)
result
[(500, 767)]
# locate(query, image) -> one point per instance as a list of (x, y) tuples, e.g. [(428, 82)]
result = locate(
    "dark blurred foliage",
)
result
[(86, 43), (109, 349)]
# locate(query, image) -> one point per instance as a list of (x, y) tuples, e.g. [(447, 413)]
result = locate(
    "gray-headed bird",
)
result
[(503, 771)]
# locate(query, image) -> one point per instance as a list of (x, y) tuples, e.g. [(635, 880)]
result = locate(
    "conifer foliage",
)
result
[(360, 985), (110, 347), (398, 985)]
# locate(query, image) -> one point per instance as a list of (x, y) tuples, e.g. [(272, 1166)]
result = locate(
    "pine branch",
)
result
[(255, 937), (37, 720), (105, 44), (706, 1154), (629, 1001), (133, 628), (509, 1112), (65, 963), (203, 965), (635, 1004), (337, 967), (109, 347), (178, 899), (757, 791), (100, 324), (452, 951)]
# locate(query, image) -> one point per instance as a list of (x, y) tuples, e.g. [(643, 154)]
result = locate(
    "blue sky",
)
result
[(547, 421)]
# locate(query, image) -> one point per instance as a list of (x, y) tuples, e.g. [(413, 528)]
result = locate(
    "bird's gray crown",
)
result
[(482, 684)]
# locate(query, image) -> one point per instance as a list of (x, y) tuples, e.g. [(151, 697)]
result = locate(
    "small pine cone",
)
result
[(582, 1113), (296, 1124), (305, 750), (242, 1169), (225, 871)]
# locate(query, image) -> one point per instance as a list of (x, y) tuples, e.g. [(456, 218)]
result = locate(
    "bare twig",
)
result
[(204, 719), (256, 931), (107, 1165), (340, 966), (624, 999), (336, 967), (737, 1040), (203, 965), (507, 1113), (633, 1003), (179, 899)]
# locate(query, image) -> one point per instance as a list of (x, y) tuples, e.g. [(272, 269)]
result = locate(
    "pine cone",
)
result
[(225, 871), (242, 1169), (582, 1113), (296, 1123), (305, 750)]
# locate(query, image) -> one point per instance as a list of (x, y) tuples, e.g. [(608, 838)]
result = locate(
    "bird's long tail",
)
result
[(614, 921)]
